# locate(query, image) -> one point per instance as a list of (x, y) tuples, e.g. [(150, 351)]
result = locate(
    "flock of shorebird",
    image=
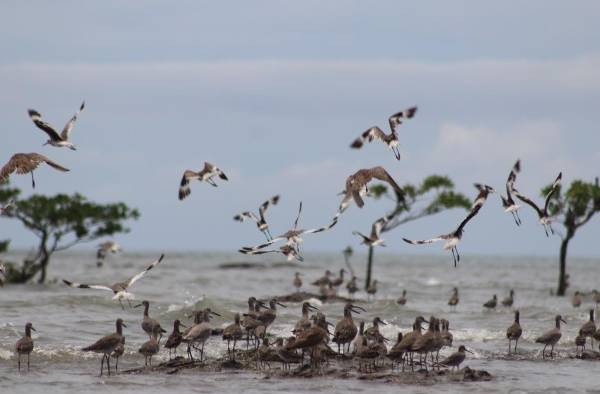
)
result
[(311, 334)]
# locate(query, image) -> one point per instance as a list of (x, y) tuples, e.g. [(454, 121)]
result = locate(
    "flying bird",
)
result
[(58, 140), (292, 237), (391, 140), (119, 289), (22, 163), (206, 174), (452, 239), (374, 239), (260, 220), (290, 252), (509, 203), (356, 186), (544, 217)]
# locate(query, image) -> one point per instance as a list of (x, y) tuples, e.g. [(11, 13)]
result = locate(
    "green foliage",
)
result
[(448, 200), (378, 190), (4, 246)]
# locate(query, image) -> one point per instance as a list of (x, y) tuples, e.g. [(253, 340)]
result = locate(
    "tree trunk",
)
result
[(562, 269), (369, 268)]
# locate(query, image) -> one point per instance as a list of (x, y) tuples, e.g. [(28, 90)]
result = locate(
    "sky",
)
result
[(274, 93)]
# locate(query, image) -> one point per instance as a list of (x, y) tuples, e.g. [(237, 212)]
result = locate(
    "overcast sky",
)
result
[(274, 92)]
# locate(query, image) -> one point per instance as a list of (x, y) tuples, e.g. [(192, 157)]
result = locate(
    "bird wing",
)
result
[(377, 226), (184, 185), (36, 117), (246, 215), (139, 276), (368, 135), (84, 286), (19, 163), (69, 126), (35, 159), (320, 229), (512, 177), (298, 217), (396, 119), (364, 237), (553, 190), (424, 241), (477, 204), (213, 170), (529, 202), (261, 246), (381, 174), (265, 205)]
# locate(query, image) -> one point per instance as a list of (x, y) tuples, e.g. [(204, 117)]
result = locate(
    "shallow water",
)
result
[(67, 319)]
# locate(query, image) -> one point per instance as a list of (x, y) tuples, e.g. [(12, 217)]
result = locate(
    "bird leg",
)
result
[(102, 364), (210, 180), (453, 256), (122, 307), (32, 180), (516, 342)]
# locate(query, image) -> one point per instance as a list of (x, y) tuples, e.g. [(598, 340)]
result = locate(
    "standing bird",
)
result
[(175, 338), (22, 163), (119, 289), (509, 203), (149, 325), (107, 344), (454, 299), (508, 301), (551, 337), (356, 186), (324, 280), (374, 238), (58, 140), (118, 352), (580, 342), (304, 322), (372, 333), (402, 299), (396, 355), (206, 174), (491, 304), (345, 329), (391, 140), (25, 345), (544, 217), (456, 358), (233, 332), (297, 281), (199, 333), (268, 316), (513, 333), (351, 286), (261, 222), (452, 239), (576, 300), (588, 329), (337, 282), (149, 349)]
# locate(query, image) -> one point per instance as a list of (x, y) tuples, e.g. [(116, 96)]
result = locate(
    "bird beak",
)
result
[(33, 329), (382, 322), (182, 325), (386, 340), (214, 313), (329, 324), (467, 350), (312, 308), (124, 325), (563, 321), (357, 309), (138, 305), (262, 304), (280, 304), (425, 321)]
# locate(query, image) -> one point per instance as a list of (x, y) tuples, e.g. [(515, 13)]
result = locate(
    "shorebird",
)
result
[(337, 282), (206, 174), (491, 304), (576, 300), (233, 332), (356, 187), (372, 333), (596, 296), (406, 345), (104, 248), (289, 251), (456, 358), (372, 289), (551, 337), (250, 321), (513, 333), (55, 139), (454, 299), (452, 239), (200, 332), (297, 281), (25, 345), (107, 344), (119, 289), (544, 217), (374, 238), (396, 355), (345, 329), (588, 329), (149, 325), (508, 202), (446, 334), (260, 220), (268, 316), (580, 340), (508, 301), (324, 280), (149, 349), (118, 352), (7, 206), (366, 355), (304, 322), (23, 163), (292, 237), (402, 299), (351, 286), (287, 355), (175, 338), (312, 337), (391, 140)]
